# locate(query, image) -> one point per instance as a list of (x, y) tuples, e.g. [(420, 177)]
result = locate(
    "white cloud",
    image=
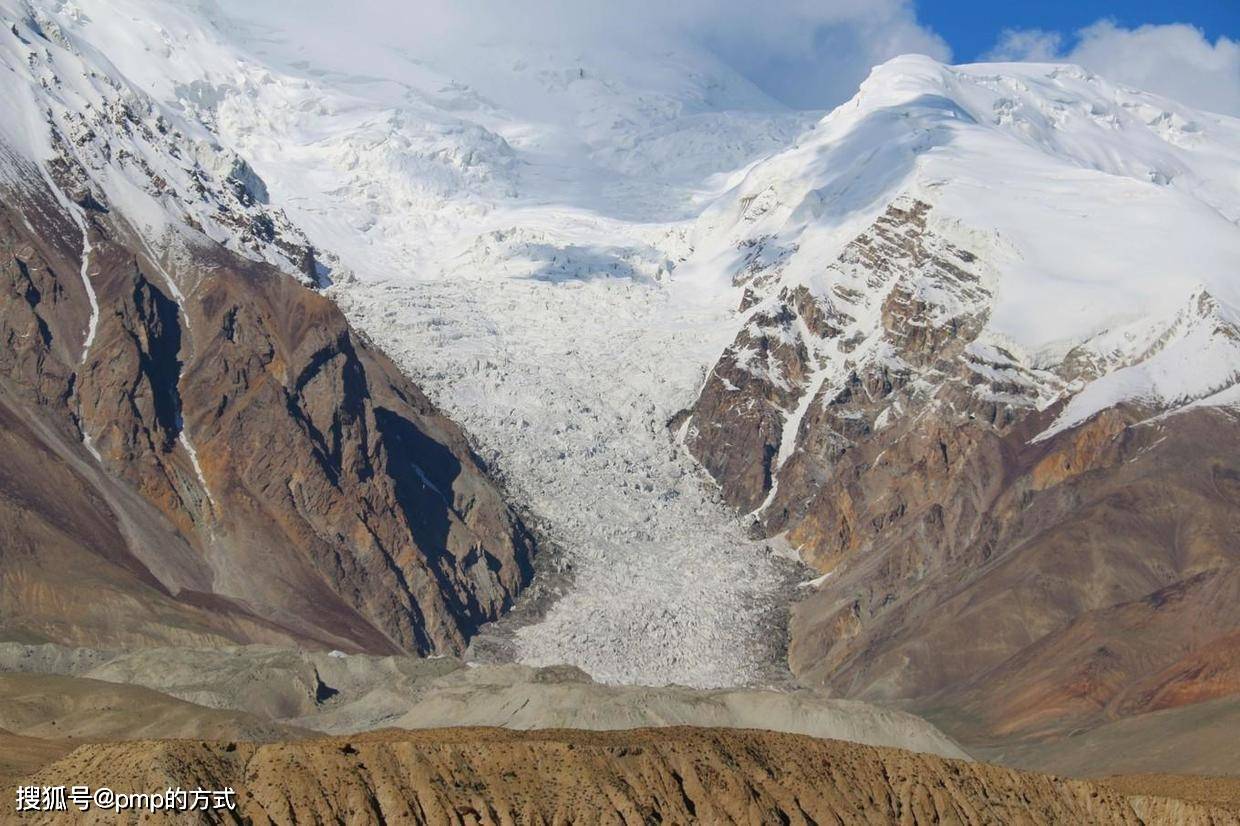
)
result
[(1034, 45), (1175, 60), (814, 55), (807, 53)]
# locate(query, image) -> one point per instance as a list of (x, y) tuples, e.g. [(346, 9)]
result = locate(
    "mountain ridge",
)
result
[(970, 333), (250, 467)]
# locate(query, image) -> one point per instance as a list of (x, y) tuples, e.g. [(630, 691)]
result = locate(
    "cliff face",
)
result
[(200, 448), (772, 387), (993, 559)]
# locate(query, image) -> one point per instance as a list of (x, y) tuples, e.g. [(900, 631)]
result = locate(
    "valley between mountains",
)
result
[(504, 385)]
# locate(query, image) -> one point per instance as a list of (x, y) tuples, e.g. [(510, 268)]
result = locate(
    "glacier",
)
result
[(548, 239)]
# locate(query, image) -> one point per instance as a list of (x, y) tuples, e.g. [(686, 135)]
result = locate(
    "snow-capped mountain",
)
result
[(198, 447), (1104, 205), (384, 174), (571, 249), (988, 316), (1092, 220), (455, 159)]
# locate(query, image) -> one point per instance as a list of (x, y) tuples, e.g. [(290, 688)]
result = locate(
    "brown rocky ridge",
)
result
[(198, 448), (667, 775)]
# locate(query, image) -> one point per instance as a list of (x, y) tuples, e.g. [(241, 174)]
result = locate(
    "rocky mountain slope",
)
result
[(72, 710), (997, 416), (677, 775), (1190, 740), (199, 447), (967, 346)]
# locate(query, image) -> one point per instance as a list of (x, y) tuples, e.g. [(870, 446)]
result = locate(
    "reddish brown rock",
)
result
[(263, 473)]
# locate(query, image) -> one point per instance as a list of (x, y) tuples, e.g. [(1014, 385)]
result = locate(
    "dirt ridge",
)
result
[(668, 775)]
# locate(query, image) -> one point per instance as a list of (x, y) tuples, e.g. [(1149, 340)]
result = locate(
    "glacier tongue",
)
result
[(569, 387)]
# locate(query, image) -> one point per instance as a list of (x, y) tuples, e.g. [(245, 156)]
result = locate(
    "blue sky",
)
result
[(972, 27), (813, 53), (1187, 50)]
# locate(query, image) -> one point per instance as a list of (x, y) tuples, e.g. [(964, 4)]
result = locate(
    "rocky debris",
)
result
[(676, 775), (1220, 792), (348, 694)]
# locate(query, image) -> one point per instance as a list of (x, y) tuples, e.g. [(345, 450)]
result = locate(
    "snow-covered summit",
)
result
[(66, 105), (1102, 203), (1094, 209)]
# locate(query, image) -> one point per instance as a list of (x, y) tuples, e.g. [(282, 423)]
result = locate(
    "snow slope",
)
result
[(549, 239), (163, 172), (1104, 204), (1102, 214)]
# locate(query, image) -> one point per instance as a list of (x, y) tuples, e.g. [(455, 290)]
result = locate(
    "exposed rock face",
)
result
[(677, 775), (1043, 609), (993, 562), (797, 346), (760, 378), (199, 448)]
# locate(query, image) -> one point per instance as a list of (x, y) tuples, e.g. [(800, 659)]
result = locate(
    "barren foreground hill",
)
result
[(669, 775)]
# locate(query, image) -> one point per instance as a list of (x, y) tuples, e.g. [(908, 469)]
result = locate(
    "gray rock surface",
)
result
[(339, 694)]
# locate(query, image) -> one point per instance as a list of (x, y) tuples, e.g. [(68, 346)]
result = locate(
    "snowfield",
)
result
[(546, 240)]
